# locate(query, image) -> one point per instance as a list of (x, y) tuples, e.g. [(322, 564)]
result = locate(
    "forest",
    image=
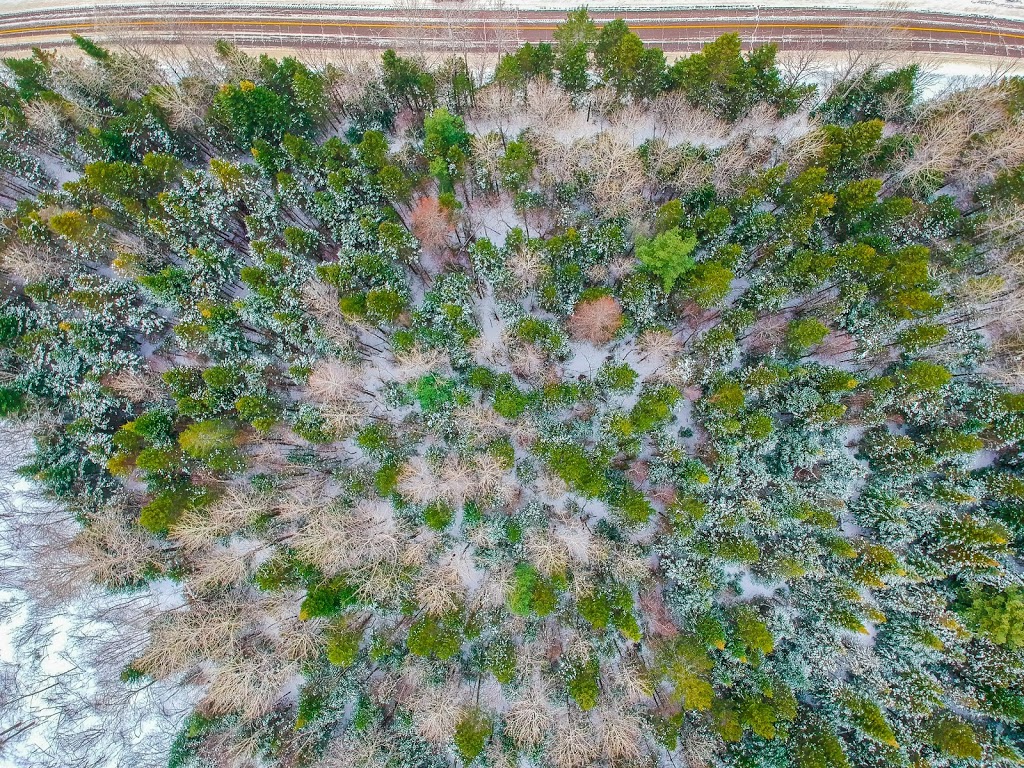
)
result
[(597, 410)]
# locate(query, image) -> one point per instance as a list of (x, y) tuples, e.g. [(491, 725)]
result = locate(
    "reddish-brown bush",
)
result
[(596, 320), (430, 224)]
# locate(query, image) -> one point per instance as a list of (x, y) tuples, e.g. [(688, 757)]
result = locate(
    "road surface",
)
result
[(275, 26)]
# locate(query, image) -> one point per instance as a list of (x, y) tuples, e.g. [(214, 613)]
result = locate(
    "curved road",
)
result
[(454, 29)]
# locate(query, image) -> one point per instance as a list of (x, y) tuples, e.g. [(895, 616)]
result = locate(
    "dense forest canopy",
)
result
[(605, 412)]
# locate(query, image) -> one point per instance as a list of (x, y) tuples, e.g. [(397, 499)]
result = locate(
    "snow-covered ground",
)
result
[(62, 703)]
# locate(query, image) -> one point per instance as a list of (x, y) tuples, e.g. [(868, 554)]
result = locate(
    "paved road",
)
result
[(675, 31)]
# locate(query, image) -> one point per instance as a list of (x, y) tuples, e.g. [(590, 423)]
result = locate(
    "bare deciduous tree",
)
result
[(431, 225), (596, 320), (573, 745), (530, 717)]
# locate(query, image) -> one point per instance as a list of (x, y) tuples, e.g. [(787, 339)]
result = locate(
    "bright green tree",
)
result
[(667, 256)]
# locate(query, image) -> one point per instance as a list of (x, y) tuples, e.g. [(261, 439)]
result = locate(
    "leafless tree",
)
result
[(954, 133), (551, 110), (547, 552), (250, 684), (438, 590), (620, 733), (431, 225), (186, 102), (495, 107), (596, 320), (740, 157), (675, 120), (28, 263), (573, 745), (337, 540), (616, 178), (62, 702), (333, 381), (436, 712), (530, 717)]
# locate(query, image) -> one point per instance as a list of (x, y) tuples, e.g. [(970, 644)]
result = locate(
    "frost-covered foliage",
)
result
[(626, 414)]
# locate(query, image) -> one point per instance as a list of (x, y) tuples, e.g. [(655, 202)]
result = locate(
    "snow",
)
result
[(585, 360), (60, 661), (494, 220), (749, 587)]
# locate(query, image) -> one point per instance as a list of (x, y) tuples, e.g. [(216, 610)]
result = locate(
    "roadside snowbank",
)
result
[(1008, 9)]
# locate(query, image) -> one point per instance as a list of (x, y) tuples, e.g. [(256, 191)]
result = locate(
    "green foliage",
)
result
[(435, 637), (213, 443), (385, 480), (12, 400), (872, 95), (446, 145), (376, 439), (471, 734), (438, 515), (262, 411), (343, 644), (684, 665), (30, 74), (253, 113), (667, 256), (407, 81), (630, 505), (997, 615), (91, 49), (719, 78), (572, 66), (433, 392), (668, 217), (611, 605), (753, 632), (188, 741), (618, 377), (384, 305), (504, 452), (509, 401), (530, 62), (309, 424), (516, 167), (530, 592), (922, 376), (167, 506), (816, 745), (285, 570), (726, 397), (653, 407), (583, 682), (577, 29), (577, 468), (921, 336), (501, 660), (625, 64), (707, 283), (328, 598), (868, 718), (954, 737), (545, 335), (804, 334), (850, 151)]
